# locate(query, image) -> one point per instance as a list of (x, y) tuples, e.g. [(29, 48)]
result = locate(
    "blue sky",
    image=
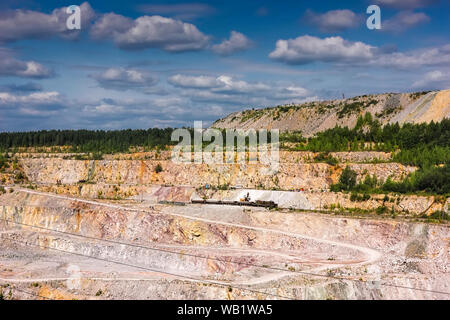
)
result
[(140, 64)]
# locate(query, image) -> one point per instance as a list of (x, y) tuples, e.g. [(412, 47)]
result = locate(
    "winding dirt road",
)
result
[(370, 255)]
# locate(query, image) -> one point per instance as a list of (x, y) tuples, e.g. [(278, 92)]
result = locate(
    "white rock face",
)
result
[(291, 175)]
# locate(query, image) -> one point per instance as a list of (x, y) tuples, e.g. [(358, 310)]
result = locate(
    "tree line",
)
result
[(98, 141), (414, 144), (432, 179)]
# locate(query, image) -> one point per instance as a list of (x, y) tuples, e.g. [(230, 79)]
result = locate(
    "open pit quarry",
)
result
[(116, 229)]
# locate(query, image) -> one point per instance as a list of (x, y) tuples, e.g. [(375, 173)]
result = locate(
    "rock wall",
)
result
[(291, 175), (361, 156)]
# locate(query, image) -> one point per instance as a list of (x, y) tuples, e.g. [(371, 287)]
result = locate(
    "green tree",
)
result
[(347, 180), (158, 168)]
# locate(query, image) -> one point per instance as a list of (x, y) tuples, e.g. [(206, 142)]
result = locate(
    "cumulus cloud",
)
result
[(404, 20), (125, 79), (27, 24), (293, 92), (405, 4), (168, 102), (104, 108), (307, 49), (334, 20), (221, 83), (185, 81), (110, 24), (149, 32), (433, 80), (169, 34), (236, 43), (234, 92), (11, 66), (32, 98), (438, 56), (229, 84), (25, 108), (183, 11)]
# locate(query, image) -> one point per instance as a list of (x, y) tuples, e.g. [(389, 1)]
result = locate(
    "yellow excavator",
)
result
[(246, 199)]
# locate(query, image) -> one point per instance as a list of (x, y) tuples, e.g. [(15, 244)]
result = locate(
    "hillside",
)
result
[(318, 116)]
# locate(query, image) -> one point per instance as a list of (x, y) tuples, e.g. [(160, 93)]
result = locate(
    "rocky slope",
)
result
[(294, 172), (373, 259), (314, 117)]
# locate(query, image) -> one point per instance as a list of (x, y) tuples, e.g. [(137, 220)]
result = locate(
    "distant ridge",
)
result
[(313, 117)]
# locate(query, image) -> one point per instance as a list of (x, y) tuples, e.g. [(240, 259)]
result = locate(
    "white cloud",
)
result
[(306, 49), (168, 101), (38, 104), (414, 58), (104, 108), (228, 90), (433, 80), (293, 92), (236, 43), (149, 32), (404, 20), (11, 66), (334, 20), (185, 81), (32, 98), (228, 84), (218, 84), (33, 70), (27, 24), (144, 32), (110, 24), (125, 79)]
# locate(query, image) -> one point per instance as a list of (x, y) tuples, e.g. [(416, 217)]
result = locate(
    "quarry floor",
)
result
[(60, 247)]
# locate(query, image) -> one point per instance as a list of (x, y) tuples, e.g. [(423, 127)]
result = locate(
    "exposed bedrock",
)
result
[(290, 175), (367, 253)]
